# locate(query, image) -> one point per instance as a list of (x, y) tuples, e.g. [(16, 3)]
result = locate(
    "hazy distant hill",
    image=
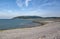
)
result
[(26, 17), (34, 17), (52, 17)]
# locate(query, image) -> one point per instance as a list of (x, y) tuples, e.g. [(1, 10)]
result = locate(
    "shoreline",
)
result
[(40, 23), (48, 31)]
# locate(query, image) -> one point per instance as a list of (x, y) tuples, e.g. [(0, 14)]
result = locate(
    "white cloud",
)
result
[(8, 14), (21, 3), (27, 2), (11, 13)]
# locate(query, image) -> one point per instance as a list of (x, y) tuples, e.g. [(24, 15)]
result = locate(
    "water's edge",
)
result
[(17, 23)]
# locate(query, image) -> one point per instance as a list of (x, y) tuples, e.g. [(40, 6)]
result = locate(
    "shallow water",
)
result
[(17, 23)]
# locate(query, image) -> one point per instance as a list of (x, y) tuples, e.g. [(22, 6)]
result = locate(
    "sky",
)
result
[(44, 8)]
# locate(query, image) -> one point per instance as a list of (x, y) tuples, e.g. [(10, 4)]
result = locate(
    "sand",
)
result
[(48, 31)]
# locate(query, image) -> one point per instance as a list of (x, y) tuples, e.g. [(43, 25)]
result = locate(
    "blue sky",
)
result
[(12, 8)]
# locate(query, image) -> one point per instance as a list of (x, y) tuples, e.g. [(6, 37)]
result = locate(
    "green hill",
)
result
[(26, 17)]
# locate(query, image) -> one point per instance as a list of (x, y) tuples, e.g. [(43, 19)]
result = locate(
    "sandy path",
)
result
[(49, 31)]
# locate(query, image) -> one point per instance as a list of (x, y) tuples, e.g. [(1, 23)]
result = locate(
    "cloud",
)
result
[(22, 3), (8, 13), (19, 3), (34, 3), (27, 2)]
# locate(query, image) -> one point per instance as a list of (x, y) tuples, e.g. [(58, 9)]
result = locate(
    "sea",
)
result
[(6, 24)]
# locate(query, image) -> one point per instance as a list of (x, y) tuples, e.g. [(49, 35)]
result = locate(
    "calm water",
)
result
[(17, 23)]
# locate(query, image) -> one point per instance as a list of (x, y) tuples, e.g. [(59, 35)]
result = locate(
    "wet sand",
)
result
[(48, 31)]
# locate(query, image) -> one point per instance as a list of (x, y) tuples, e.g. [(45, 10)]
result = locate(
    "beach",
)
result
[(29, 19), (48, 31)]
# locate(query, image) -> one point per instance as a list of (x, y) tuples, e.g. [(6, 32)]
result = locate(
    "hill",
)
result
[(26, 17)]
